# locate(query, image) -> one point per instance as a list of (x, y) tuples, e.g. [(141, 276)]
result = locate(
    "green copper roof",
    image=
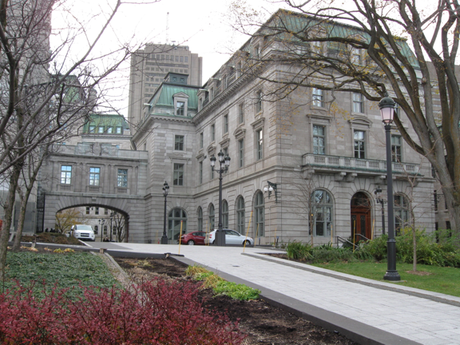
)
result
[(165, 95), (290, 23), (105, 120)]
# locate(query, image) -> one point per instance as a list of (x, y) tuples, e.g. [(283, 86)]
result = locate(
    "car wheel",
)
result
[(247, 243), (191, 243)]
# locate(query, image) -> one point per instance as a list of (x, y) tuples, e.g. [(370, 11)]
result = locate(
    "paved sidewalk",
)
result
[(367, 311)]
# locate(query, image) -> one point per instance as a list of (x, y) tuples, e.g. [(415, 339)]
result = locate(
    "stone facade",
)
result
[(70, 183), (304, 167), (149, 66)]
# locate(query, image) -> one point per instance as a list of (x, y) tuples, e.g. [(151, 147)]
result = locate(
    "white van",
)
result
[(83, 232)]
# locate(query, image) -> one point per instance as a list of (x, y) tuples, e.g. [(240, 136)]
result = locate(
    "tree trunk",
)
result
[(8, 209), (21, 219)]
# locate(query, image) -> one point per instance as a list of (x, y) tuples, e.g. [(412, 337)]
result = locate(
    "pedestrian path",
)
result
[(368, 311)]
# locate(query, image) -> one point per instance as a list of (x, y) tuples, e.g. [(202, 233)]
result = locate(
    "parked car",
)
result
[(83, 232), (231, 237), (192, 238)]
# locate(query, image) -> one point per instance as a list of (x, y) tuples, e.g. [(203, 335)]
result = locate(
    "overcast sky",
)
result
[(203, 25)]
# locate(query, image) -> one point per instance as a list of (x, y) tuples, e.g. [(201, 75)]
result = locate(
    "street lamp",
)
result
[(272, 187), (387, 110), (164, 238), (224, 163), (380, 200)]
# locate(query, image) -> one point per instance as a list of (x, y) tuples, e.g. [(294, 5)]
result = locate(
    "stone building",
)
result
[(149, 66), (299, 170), (307, 166)]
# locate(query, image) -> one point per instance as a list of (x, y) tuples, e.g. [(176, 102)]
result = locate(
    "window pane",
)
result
[(122, 179), (179, 143), (178, 174), (66, 174), (94, 176)]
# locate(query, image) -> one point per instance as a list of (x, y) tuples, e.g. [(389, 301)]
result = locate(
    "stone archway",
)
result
[(129, 208)]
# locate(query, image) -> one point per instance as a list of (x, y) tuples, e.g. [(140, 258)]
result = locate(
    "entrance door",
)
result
[(360, 217)]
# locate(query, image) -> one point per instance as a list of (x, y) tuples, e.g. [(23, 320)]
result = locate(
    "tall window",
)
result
[(96, 210), (396, 148), (322, 213), (122, 178), (178, 178), (200, 219), (201, 140), (88, 210), (358, 103), (177, 216), (259, 215), (200, 176), (211, 217), (225, 214), (356, 56), (100, 129), (401, 210), (259, 144), (66, 174), (240, 224), (240, 153), (319, 140), (259, 101), (119, 130), (179, 143), (359, 144), (180, 108), (240, 113), (109, 130), (225, 124), (317, 97), (213, 132), (94, 174)]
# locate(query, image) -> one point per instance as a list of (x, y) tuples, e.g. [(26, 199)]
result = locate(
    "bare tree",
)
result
[(66, 218), (118, 224), (358, 48), (45, 94)]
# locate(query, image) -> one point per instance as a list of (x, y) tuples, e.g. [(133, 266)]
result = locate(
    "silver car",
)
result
[(231, 237)]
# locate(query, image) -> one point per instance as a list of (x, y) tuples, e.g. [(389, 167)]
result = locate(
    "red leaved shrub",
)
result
[(156, 312)]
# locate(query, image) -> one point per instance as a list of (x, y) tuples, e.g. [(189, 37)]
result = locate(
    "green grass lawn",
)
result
[(438, 279), (66, 270)]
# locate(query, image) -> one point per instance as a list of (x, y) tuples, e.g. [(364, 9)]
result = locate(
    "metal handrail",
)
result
[(364, 237), (344, 240)]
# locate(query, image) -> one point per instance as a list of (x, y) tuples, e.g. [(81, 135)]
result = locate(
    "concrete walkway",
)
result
[(366, 311)]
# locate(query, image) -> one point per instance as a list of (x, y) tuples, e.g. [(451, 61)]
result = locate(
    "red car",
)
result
[(193, 238)]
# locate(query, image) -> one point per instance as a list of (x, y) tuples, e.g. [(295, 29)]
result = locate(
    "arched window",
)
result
[(322, 213), (240, 224), (259, 215), (200, 218), (176, 216), (225, 214), (96, 229), (211, 217), (401, 210)]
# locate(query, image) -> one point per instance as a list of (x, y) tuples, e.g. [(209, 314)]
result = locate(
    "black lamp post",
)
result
[(164, 238), (224, 162), (387, 110), (380, 200)]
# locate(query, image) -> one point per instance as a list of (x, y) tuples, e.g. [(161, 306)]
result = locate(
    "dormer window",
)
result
[(180, 104), (180, 108)]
